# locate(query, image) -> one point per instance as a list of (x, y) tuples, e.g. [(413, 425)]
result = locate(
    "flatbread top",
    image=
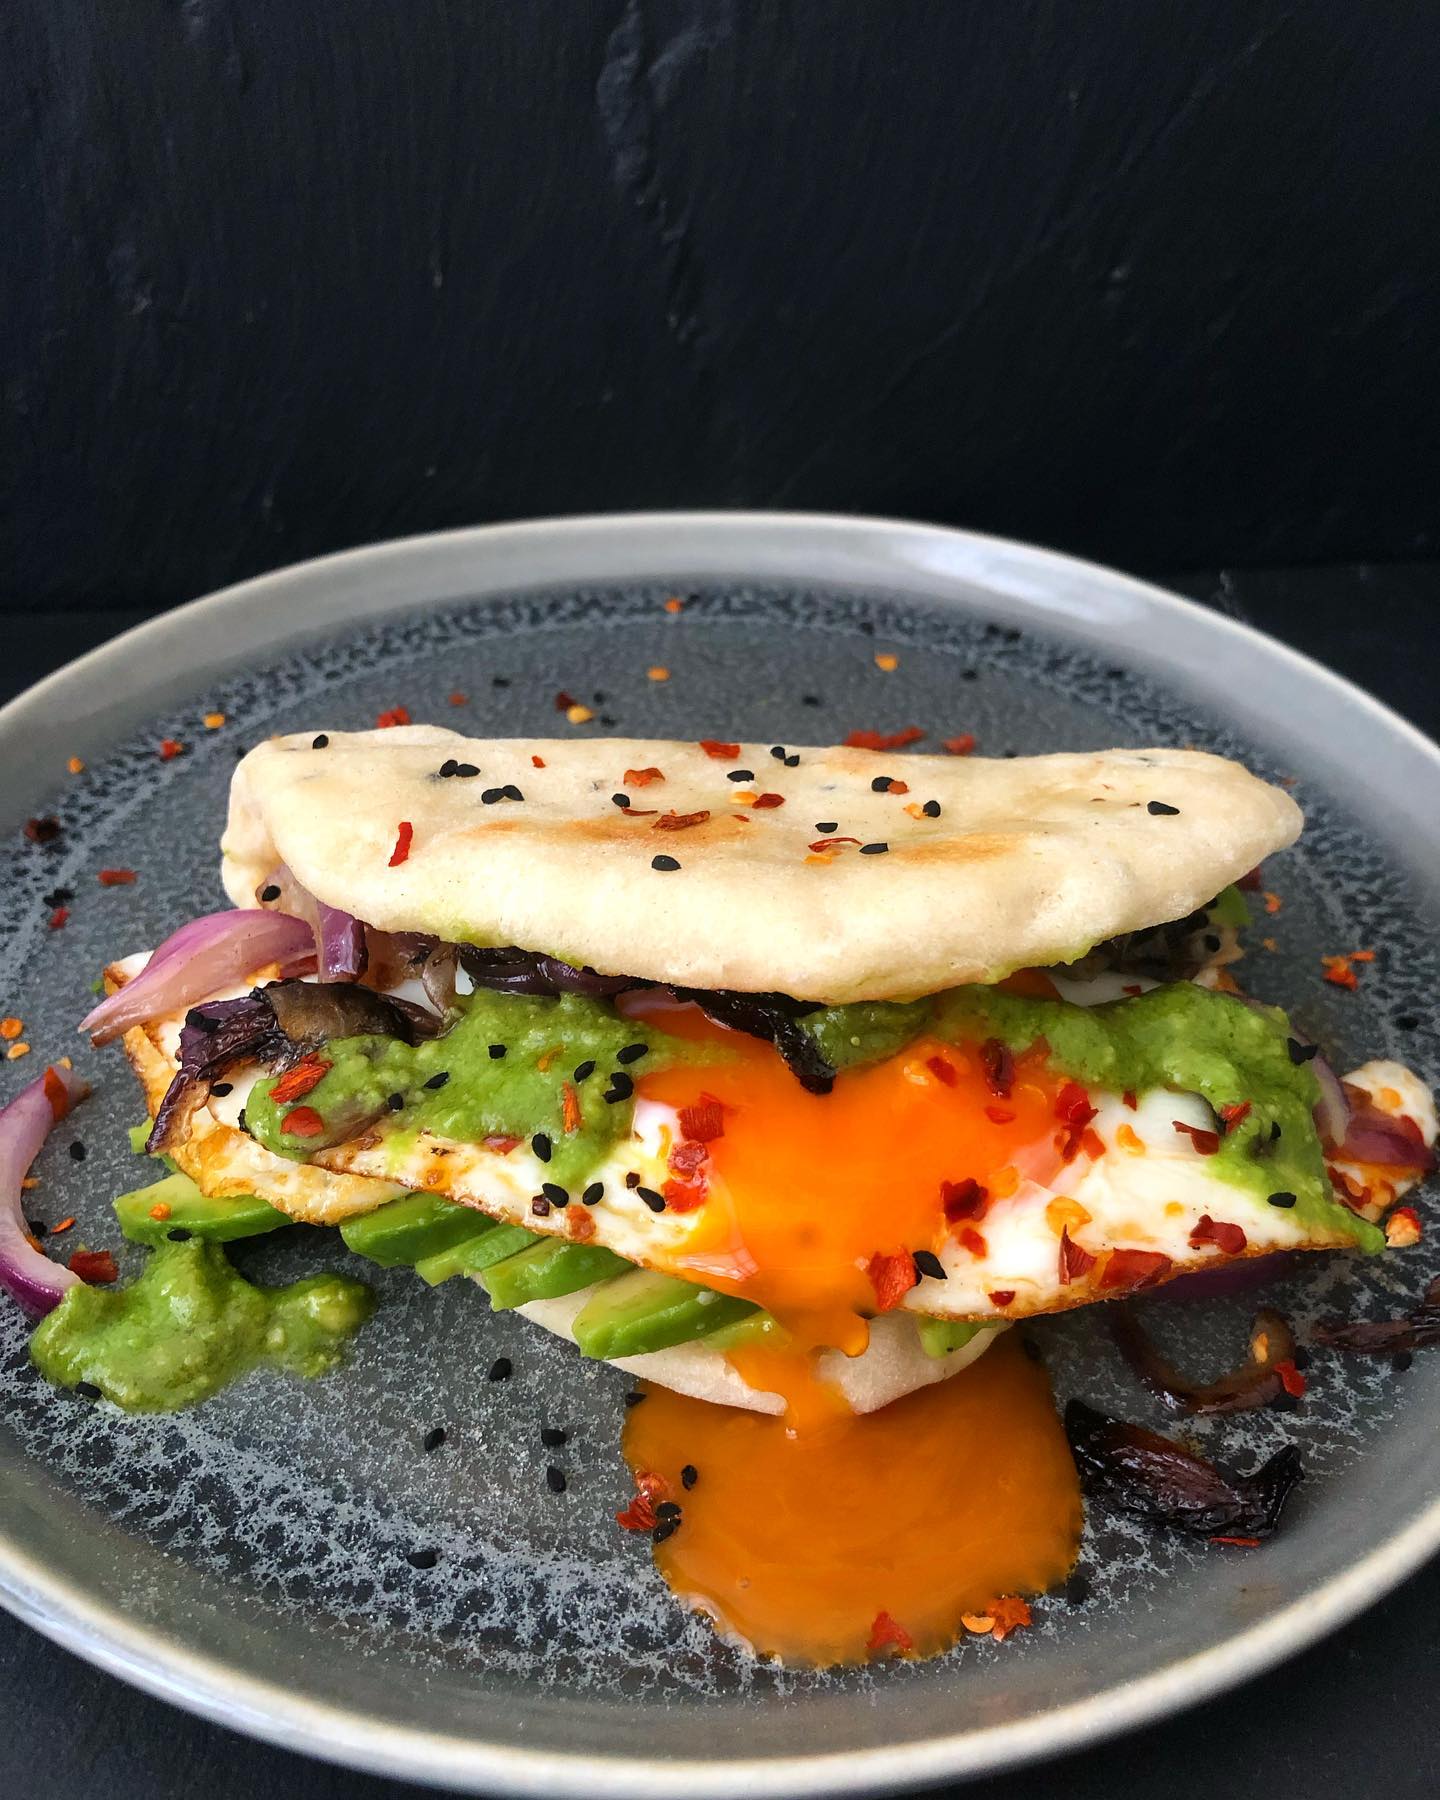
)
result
[(831, 874)]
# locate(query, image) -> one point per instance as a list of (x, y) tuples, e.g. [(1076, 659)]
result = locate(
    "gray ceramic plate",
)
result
[(249, 1560)]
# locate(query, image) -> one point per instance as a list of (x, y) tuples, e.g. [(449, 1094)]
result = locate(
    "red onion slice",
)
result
[(1332, 1114), (1383, 1138), (27, 1274), (340, 951), (209, 953)]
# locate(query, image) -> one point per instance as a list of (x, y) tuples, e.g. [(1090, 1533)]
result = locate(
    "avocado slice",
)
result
[(220, 1220), (139, 1136), (754, 1328), (491, 1245), (405, 1231), (547, 1270), (646, 1311), (1229, 907), (938, 1337)]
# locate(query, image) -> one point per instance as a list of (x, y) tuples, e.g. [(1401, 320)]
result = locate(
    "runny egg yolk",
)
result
[(802, 1193), (883, 1531)]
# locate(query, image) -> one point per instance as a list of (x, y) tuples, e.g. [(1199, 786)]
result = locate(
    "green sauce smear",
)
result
[(483, 1096), (189, 1325)]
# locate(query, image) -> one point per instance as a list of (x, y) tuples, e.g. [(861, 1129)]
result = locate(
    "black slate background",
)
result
[(1158, 283), (1347, 1720)]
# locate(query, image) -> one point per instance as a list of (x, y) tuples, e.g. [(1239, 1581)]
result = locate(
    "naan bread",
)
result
[(1029, 861)]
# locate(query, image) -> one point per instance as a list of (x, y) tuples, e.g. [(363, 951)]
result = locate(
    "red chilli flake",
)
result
[(1228, 1238), (882, 740), (55, 1092), (1291, 1379), (942, 1070), (892, 1278), (704, 1120), (170, 748), (763, 802), (1001, 1296), (960, 746), (969, 1239), (303, 1122), (570, 1115), (963, 1200), (1134, 1269), (404, 837), (1074, 1261), (830, 843), (502, 1146), (998, 1063), (888, 1635), (642, 777), (396, 715), (1240, 1543), (1206, 1142), (683, 1196), (1233, 1114), (59, 918), (298, 1082), (537, 762), (1129, 1099), (458, 699), (673, 821), (720, 752), (116, 877), (95, 1266), (640, 1514)]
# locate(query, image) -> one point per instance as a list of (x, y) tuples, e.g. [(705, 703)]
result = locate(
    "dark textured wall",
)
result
[(1151, 279)]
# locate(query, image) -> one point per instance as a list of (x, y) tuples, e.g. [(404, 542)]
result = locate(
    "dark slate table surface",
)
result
[(1350, 1717)]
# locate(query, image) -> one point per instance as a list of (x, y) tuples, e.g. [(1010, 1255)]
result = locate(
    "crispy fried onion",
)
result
[(1257, 1382), (1417, 1330)]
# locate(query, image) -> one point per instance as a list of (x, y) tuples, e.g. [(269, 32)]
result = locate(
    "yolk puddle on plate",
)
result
[(935, 1506), (802, 1190)]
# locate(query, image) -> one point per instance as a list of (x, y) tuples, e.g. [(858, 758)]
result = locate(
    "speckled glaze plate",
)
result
[(248, 1560)]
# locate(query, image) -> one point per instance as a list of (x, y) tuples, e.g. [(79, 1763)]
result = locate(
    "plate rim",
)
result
[(662, 545)]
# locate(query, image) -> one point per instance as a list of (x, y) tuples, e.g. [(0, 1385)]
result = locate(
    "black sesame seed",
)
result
[(583, 1071), (873, 849), (433, 1439), (667, 865), (632, 1053), (511, 792), (668, 1509), (438, 1081), (500, 1369), (826, 826), (1281, 1199), (555, 1479), (620, 800), (395, 1101), (540, 1207), (1300, 1053), (319, 743), (465, 771), (77, 1151), (634, 1397), (656, 1202), (593, 1194), (1401, 1361), (632, 1180), (969, 674), (422, 1559), (931, 809), (740, 775), (778, 752), (1403, 1021), (689, 1475), (501, 681), (554, 1193), (540, 1144), (496, 1052), (928, 1263), (62, 896), (448, 767), (665, 1529), (552, 1437), (810, 700), (491, 795), (1160, 810), (792, 762), (87, 1390), (599, 699), (271, 892), (177, 1234), (881, 784), (621, 1088), (221, 1088)]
